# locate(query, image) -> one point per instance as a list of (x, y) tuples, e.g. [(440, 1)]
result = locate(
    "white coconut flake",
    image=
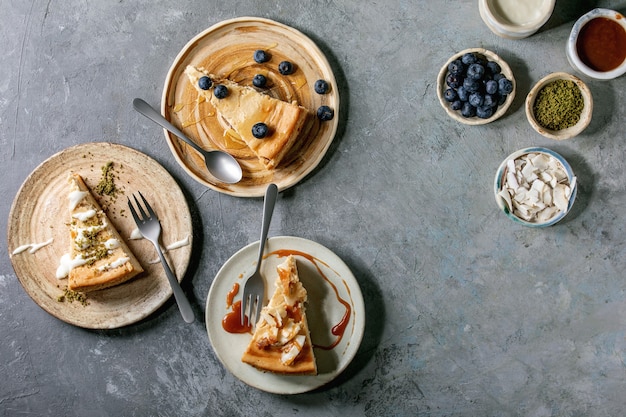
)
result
[(536, 187)]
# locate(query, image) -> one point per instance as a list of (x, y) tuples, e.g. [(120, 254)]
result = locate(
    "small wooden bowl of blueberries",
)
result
[(476, 86)]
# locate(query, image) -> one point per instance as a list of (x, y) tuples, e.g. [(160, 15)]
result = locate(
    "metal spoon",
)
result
[(220, 164)]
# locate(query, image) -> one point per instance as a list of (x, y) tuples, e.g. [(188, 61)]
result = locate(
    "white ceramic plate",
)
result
[(40, 212), (226, 49), (321, 272)]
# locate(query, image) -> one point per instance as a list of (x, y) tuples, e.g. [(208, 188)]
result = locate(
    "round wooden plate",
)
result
[(226, 50), (40, 213)]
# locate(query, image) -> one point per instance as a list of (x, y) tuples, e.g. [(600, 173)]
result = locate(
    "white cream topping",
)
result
[(34, 247), (66, 264), (112, 244), (80, 240), (172, 246), (136, 234), (21, 249), (179, 244), (115, 264), (85, 215), (75, 198)]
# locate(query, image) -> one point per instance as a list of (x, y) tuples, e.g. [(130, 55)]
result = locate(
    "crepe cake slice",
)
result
[(281, 342), (243, 107), (100, 256)]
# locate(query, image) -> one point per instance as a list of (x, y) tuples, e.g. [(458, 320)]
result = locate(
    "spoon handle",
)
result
[(144, 108), (268, 208)]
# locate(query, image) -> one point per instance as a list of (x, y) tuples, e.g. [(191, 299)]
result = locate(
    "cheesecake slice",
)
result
[(281, 342), (243, 107), (99, 256)]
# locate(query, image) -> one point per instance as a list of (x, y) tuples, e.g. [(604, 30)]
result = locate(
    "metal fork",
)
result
[(150, 228), (254, 286)]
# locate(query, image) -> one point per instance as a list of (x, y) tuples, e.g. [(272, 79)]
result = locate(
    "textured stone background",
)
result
[(468, 314)]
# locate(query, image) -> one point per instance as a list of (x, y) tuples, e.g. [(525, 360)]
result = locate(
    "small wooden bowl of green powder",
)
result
[(559, 106)]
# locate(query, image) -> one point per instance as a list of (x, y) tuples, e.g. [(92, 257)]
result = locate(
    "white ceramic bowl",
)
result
[(501, 178), (585, 116), (442, 87), (572, 51), (515, 19)]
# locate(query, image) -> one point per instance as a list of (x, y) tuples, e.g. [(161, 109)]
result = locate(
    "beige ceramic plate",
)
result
[(226, 50), (40, 212), (329, 284), (456, 114)]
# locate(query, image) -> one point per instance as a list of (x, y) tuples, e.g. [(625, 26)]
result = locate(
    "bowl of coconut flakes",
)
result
[(535, 187)]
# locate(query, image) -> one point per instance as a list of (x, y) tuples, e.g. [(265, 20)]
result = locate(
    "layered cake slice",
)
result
[(100, 257), (268, 126), (281, 342)]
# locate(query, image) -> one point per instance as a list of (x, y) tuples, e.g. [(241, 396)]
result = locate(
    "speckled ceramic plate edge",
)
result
[(38, 213)]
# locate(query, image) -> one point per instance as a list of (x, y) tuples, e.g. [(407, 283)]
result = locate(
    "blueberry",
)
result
[(259, 80), (205, 83), (471, 85), (285, 68), (454, 81), (469, 58), (491, 87), (450, 95), (325, 113), (220, 91), (456, 67), (468, 110), (321, 87), (475, 71), (462, 93), (505, 86), (498, 77), (501, 99), (476, 99), (494, 67), (260, 130), (260, 56), (484, 112), (456, 105), (491, 100)]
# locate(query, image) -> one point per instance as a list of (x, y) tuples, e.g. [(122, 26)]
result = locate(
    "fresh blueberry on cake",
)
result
[(244, 106)]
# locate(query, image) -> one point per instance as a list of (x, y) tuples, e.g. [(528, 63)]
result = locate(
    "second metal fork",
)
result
[(150, 228), (254, 287)]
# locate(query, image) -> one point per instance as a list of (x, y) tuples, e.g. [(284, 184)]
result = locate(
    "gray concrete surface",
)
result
[(468, 314)]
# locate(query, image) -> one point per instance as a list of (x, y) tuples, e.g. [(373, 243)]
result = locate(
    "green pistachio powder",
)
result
[(558, 105)]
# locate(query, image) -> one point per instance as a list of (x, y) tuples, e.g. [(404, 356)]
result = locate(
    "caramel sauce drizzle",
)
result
[(232, 321)]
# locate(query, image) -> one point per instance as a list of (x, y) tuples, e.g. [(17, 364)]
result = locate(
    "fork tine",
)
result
[(144, 216), (133, 211), (152, 213), (254, 304), (245, 305)]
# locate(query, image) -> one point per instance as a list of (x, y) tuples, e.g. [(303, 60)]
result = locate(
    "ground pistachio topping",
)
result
[(107, 181), (71, 296), (559, 105)]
